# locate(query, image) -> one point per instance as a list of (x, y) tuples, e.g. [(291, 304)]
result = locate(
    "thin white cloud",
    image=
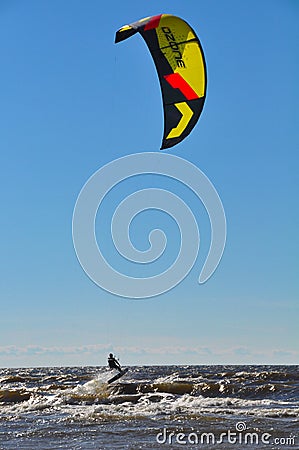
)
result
[(39, 350), (176, 351)]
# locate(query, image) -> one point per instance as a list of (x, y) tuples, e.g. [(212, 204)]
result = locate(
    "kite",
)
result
[(181, 68)]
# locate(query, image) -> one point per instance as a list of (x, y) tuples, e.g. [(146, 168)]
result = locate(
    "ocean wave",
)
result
[(10, 396), (151, 392)]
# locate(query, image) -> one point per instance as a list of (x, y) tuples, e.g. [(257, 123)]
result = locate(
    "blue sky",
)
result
[(72, 101)]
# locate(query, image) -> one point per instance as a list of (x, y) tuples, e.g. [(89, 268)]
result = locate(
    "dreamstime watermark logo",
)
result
[(103, 181), (240, 436)]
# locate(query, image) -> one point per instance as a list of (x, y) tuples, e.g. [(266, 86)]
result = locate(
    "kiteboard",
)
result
[(117, 376)]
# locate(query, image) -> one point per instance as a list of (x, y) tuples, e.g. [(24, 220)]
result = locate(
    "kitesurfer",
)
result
[(113, 363)]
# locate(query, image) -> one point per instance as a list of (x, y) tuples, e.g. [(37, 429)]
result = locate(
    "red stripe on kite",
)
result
[(153, 23), (177, 81)]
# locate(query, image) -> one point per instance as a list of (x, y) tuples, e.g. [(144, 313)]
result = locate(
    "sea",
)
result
[(150, 407)]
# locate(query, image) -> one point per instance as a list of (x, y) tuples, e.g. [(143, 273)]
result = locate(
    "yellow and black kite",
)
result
[(181, 68)]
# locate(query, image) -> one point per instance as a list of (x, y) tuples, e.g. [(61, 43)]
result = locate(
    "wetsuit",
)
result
[(113, 364)]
